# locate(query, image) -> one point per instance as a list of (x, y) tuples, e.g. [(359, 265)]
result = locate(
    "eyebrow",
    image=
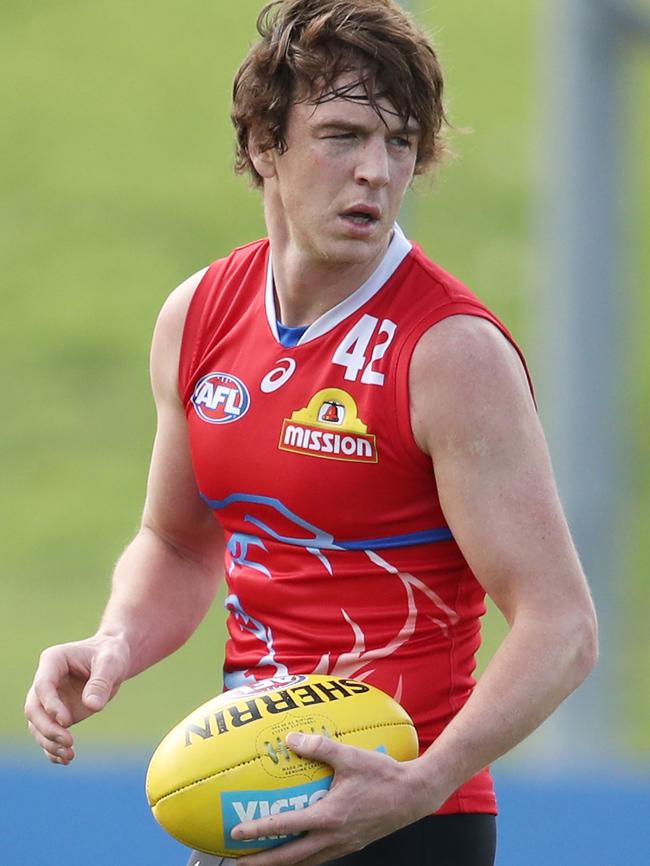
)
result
[(350, 126)]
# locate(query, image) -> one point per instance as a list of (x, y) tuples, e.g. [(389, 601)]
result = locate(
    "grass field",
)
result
[(117, 183)]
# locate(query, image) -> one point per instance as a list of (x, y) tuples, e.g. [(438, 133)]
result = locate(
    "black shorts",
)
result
[(438, 840)]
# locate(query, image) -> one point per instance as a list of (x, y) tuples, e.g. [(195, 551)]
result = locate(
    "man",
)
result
[(364, 431)]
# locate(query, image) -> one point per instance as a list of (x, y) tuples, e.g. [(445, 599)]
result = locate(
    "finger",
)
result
[(319, 748), (45, 690), (285, 824), (57, 753), (58, 737), (56, 759), (53, 668), (41, 721), (295, 822), (289, 823)]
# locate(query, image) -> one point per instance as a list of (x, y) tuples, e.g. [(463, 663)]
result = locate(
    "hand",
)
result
[(73, 681), (372, 795)]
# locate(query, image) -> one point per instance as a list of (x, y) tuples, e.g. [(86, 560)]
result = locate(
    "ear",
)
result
[(263, 160)]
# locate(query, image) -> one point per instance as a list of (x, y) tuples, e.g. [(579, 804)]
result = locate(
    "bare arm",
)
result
[(472, 412), (476, 419), (163, 583), (167, 577)]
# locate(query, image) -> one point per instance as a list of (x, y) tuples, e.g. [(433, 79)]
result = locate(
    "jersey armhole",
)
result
[(194, 322), (402, 395), (221, 276)]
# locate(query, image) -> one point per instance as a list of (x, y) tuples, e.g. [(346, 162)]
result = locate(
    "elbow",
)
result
[(586, 645)]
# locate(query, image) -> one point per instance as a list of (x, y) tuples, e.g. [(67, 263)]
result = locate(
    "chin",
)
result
[(358, 249), (350, 252)]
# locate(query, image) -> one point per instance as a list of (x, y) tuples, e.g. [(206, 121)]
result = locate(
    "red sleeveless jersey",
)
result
[(339, 560)]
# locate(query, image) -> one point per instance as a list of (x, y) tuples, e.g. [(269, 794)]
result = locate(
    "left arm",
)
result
[(472, 412), (499, 496)]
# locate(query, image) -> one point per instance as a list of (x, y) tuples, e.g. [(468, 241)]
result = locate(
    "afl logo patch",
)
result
[(220, 398)]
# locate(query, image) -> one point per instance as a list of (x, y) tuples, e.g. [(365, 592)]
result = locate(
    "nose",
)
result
[(372, 166)]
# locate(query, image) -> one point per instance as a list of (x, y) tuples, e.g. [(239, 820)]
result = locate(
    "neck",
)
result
[(308, 284)]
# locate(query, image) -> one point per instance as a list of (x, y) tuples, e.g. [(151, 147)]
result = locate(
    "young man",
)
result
[(364, 431)]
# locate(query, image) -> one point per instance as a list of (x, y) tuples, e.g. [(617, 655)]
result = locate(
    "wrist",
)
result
[(423, 787), (440, 771)]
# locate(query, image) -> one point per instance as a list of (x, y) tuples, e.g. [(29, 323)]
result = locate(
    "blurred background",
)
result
[(116, 184)]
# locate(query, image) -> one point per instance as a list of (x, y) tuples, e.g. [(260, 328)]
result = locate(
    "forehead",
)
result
[(347, 99)]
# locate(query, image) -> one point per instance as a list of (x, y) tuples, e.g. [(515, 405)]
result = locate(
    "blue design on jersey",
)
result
[(263, 633), (237, 547), (425, 536), (322, 540)]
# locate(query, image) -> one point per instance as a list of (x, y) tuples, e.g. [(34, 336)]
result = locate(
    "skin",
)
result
[(348, 157), (474, 417)]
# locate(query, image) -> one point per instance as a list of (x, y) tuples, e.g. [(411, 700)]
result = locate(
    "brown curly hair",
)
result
[(307, 45)]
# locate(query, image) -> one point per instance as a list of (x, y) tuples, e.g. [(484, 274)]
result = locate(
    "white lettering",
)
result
[(351, 353), (205, 395), (363, 448), (370, 376), (219, 396), (327, 442), (231, 406), (293, 436), (299, 802), (254, 809), (247, 812)]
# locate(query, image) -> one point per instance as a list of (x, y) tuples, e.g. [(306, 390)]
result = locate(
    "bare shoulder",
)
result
[(171, 318), (465, 376), (165, 347)]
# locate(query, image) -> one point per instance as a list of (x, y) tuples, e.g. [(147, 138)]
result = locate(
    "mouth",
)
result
[(362, 215)]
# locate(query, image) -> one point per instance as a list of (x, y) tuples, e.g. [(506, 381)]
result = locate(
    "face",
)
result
[(336, 191)]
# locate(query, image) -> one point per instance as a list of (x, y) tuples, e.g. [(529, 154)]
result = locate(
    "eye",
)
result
[(401, 142)]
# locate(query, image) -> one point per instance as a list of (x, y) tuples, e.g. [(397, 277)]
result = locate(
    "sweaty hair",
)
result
[(305, 48)]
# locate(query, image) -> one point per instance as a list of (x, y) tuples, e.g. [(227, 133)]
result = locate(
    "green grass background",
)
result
[(116, 183)]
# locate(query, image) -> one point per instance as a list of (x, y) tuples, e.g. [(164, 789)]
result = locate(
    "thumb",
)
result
[(99, 688)]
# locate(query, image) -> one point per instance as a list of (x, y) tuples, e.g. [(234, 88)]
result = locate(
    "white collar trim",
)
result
[(397, 251)]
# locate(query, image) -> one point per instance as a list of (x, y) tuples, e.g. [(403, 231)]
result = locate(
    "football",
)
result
[(228, 762)]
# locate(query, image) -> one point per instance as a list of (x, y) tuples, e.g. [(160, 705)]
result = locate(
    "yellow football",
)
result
[(227, 761)]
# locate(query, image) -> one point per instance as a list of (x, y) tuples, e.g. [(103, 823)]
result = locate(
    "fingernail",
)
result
[(94, 701), (296, 740)]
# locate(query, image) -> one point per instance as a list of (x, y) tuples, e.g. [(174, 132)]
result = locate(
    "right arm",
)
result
[(163, 583)]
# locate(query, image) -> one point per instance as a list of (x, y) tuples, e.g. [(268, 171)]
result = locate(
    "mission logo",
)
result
[(220, 398), (329, 427)]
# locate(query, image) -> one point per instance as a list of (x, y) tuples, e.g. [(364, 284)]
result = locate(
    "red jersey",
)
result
[(339, 560)]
